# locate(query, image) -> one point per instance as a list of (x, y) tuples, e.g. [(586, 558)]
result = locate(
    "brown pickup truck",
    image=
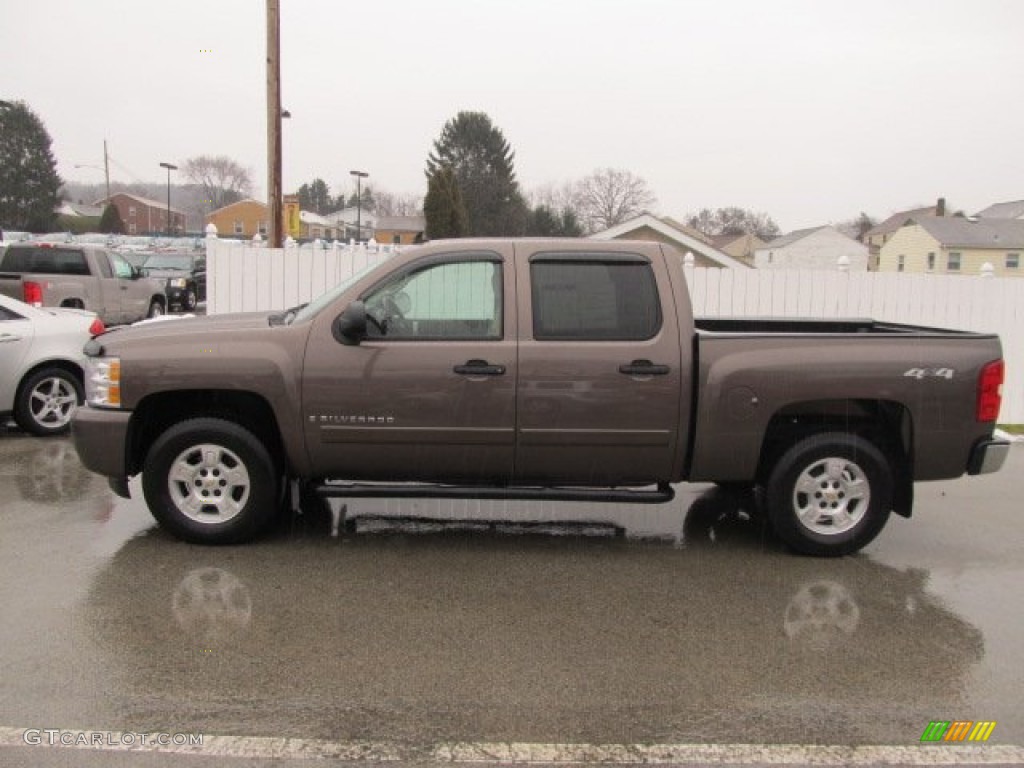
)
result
[(82, 276), (555, 369)]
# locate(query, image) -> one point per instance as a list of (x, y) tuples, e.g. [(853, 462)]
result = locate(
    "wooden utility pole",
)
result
[(274, 184)]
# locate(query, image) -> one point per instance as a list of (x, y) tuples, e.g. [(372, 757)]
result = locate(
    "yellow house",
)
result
[(400, 230), (955, 246), (242, 219)]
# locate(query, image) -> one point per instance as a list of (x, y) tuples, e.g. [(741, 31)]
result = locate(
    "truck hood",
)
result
[(169, 326)]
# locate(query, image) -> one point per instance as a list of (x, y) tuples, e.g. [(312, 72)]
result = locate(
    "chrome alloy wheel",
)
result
[(208, 483), (52, 402), (831, 496)]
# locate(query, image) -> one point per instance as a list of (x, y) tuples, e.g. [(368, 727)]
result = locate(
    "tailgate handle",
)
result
[(643, 368), (479, 368)]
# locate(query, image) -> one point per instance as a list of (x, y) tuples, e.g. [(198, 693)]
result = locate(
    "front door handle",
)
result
[(643, 368), (9, 337), (479, 368)]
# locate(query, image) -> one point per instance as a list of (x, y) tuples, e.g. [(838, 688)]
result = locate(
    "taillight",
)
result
[(33, 293), (97, 327), (990, 396)]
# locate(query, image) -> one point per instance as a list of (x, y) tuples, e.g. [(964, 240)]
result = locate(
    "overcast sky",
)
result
[(808, 110)]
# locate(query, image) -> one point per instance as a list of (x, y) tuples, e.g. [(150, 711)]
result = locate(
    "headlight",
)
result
[(176, 282), (103, 385)]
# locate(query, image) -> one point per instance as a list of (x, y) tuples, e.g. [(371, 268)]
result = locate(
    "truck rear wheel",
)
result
[(210, 481), (830, 494)]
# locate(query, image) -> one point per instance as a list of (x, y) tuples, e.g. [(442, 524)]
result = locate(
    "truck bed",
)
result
[(798, 326)]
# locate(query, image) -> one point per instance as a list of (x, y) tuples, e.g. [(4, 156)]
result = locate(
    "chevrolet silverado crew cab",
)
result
[(557, 369), (82, 276)]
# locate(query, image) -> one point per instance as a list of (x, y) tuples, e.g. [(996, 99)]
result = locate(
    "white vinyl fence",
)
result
[(245, 277)]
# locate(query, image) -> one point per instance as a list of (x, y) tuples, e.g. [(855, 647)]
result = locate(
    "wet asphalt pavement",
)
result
[(506, 622)]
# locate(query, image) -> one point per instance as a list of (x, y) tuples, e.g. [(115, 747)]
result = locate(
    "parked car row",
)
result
[(120, 287), (80, 276), (117, 242)]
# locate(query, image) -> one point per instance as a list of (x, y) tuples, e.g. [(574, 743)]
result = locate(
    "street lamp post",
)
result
[(360, 175), (169, 168)]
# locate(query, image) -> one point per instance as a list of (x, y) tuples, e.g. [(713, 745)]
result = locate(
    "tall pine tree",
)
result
[(29, 184), (483, 164)]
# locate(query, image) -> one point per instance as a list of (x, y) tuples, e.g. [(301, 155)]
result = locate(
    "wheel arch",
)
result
[(57, 362), (158, 412), (888, 424)]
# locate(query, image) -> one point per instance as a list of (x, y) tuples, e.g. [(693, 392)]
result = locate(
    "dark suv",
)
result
[(185, 274)]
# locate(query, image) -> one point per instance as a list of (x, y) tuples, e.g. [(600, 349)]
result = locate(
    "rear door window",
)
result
[(599, 298)]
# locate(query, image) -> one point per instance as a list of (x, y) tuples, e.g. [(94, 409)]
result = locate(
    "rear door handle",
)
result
[(643, 368), (9, 337), (479, 368)]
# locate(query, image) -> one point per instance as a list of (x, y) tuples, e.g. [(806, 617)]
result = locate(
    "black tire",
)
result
[(47, 400), (156, 308), (210, 481), (829, 509), (188, 300)]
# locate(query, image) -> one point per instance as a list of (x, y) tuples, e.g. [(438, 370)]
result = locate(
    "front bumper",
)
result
[(988, 456), (101, 439), (175, 295)]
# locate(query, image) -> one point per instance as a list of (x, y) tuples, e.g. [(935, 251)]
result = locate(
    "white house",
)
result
[(815, 248), (347, 219), (1011, 210)]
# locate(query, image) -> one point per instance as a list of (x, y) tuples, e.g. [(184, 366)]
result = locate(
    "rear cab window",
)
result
[(45, 261)]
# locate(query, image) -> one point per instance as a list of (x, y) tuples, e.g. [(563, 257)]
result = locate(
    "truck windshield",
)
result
[(312, 309)]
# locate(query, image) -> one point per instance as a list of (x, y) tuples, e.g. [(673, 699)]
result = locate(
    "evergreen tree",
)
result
[(368, 202), (316, 197), (545, 222), (483, 163), (443, 206), (110, 221), (29, 184)]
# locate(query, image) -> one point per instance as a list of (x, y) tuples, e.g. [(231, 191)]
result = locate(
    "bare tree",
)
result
[(558, 197), (733, 221), (402, 204), (222, 180), (610, 196)]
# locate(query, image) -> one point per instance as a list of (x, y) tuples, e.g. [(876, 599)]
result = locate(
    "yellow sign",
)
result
[(292, 223)]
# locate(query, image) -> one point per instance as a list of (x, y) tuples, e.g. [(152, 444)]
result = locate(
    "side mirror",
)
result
[(137, 273), (349, 328)]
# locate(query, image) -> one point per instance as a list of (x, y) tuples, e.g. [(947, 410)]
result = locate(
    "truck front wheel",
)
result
[(830, 494), (210, 481)]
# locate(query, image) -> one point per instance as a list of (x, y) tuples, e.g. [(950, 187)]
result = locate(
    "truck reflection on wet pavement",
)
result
[(424, 621)]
